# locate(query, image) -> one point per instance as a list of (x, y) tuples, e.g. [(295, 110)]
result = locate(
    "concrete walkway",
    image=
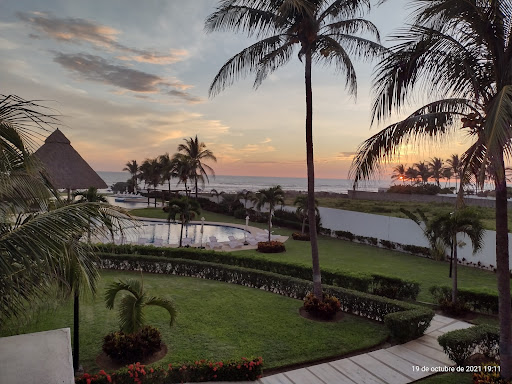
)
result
[(400, 364)]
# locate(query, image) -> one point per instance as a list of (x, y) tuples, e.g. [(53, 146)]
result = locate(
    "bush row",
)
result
[(462, 343), (391, 287), (358, 303), (199, 371), (271, 247), (473, 299), (420, 251)]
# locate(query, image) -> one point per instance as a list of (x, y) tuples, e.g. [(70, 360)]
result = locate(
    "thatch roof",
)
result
[(64, 165)]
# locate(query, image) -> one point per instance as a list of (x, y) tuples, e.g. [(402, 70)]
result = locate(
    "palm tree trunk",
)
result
[(181, 234), (451, 260), (503, 272), (196, 187), (317, 279), (303, 224), (76, 339), (454, 277), (269, 224)]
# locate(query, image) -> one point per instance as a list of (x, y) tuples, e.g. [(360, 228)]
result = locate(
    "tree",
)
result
[(151, 173), (449, 225), (412, 174), (447, 174), (185, 209), (459, 49), (423, 171), (436, 169), (91, 195), (301, 202), (184, 169), (131, 308), (323, 30), (217, 194), (197, 153), (246, 195), (133, 168), (168, 169), (454, 163), (399, 173), (271, 197)]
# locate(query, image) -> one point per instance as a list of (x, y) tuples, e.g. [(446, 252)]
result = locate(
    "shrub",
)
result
[(203, 370), (473, 299), (325, 309), (462, 343), (388, 244), (358, 303), (300, 236), (425, 189), (126, 348), (408, 325), (417, 250), (345, 235), (489, 374), (271, 247), (351, 280), (394, 287)]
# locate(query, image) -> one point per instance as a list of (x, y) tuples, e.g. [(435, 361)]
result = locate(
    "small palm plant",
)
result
[(272, 196), (131, 308), (185, 209), (217, 194), (301, 202)]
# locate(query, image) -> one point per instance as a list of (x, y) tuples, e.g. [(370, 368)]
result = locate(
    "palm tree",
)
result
[(324, 32), (91, 195), (459, 49), (399, 173), (423, 171), (217, 194), (246, 195), (454, 163), (184, 169), (412, 174), (447, 174), (167, 169), (133, 168), (301, 202), (151, 172), (436, 169), (185, 209), (131, 308), (197, 153), (449, 225), (272, 197)]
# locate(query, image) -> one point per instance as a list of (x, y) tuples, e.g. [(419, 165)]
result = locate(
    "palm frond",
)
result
[(352, 26), (273, 60), (131, 285), (344, 9), (166, 304), (131, 314)]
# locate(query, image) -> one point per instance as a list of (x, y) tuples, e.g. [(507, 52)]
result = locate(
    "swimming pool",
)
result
[(170, 232)]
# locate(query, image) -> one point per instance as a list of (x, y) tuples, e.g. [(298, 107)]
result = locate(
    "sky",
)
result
[(130, 81)]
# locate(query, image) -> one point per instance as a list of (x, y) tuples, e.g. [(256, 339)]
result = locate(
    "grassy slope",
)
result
[(218, 321), (340, 254)]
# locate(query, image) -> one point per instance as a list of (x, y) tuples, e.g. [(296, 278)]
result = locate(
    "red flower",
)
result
[(214, 369), (88, 381), (109, 379)]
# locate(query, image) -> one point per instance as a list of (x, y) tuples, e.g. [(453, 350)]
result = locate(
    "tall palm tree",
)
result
[(459, 49), (454, 163), (270, 197), (301, 202), (399, 173), (185, 209), (324, 31), (449, 225), (184, 169), (412, 175), (246, 195), (196, 151), (151, 172), (131, 308), (436, 169), (217, 194), (133, 168), (168, 169), (447, 174)]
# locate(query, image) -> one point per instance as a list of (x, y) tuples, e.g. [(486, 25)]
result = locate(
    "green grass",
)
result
[(341, 254), (448, 378), (217, 321)]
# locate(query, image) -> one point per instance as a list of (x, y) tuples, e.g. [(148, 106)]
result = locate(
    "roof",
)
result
[(64, 165)]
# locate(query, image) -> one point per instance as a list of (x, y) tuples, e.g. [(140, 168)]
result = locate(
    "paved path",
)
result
[(400, 364)]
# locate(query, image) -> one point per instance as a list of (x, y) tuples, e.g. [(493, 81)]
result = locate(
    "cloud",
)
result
[(345, 156), (77, 31), (95, 68)]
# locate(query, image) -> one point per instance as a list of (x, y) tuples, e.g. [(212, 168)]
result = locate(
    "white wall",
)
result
[(37, 358)]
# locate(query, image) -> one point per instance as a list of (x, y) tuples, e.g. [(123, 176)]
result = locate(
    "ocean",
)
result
[(233, 184)]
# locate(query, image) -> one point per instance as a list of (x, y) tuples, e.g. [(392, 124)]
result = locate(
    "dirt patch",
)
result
[(106, 363), (305, 314)]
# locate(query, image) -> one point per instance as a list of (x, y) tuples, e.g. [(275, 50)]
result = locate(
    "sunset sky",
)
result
[(130, 79)]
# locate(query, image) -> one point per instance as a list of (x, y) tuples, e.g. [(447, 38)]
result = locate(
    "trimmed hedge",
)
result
[(408, 325), (473, 299), (301, 236), (391, 287), (199, 371), (271, 247), (359, 303), (459, 345)]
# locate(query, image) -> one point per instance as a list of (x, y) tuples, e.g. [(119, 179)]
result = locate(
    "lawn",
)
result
[(341, 254), (216, 321), (448, 378)]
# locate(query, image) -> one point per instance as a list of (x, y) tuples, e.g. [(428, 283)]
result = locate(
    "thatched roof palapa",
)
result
[(64, 165)]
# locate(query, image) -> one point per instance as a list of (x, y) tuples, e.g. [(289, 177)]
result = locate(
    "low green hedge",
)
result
[(477, 300), (359, 303), (199, 371), (391, 287), (462, 343)]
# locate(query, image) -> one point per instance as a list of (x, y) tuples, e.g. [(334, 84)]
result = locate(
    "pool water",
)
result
[(170, 232)]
